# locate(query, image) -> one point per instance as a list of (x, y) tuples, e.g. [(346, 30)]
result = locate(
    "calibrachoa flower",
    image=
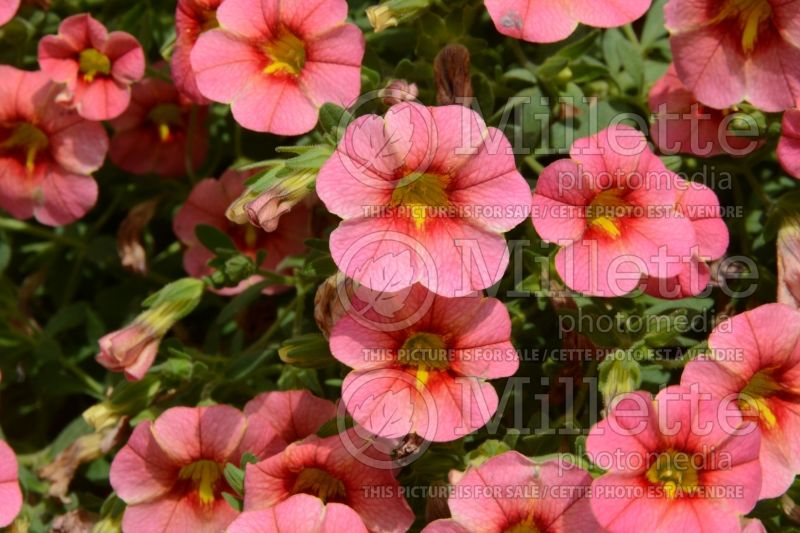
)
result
[(156, 131), (98, 67), (8, 8), (547, 21), (726, 51), (700, 205), (333, 470), (276, 63), (10, 493), (612, 209), (47, 153), (681, 462), (170, 473), (192, 18), (301, 513), (430, 183), (684, 125), (207, 204), (789, 145), (755, 359), (510, 492), (427, 373)]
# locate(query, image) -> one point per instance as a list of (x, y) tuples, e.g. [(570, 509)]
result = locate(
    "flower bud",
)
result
[(328, 305), (789, 262), (307, 351), (398, 91), (279, 197), (619, 374), (392, 13)]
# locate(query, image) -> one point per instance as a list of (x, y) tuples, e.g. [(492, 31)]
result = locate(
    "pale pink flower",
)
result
[(156, 131), (8, 8), (10, 493), (301, 513), (192, 18), (427, 373), (547, 21), (47, 153), (681, 462), (334, 470), (97, 67), (277, 63), (612, 209), (510, 492), (789, 145), (726, 51), (683, 125), (432, 185), (131, 350), (755, 359), (207, 204)]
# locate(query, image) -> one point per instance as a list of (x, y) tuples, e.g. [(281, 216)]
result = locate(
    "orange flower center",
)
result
[(92, 62), (209, 18), (425, 352), (675, 472), (526, 526), (606, 210), (754, 398), (205, 477), (286, 54), (166, 117), (29, 139), (751, 15), (418, 193), (321, 484)]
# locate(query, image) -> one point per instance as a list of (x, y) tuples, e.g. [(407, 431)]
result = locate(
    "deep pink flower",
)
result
[(276, 63), (170, 473), (131, 350), (755, 359), (153, 135), (10, 493), (547, 21), (301, 513), (427, 191), (332, 470), (192, 18), (681, 462), (789, 145), (612, 209), (726, 51), (700, 205), (47, 153), (8, 8), (427, 373), (207, 204), (98, 67), (683, 125), (510, 492)]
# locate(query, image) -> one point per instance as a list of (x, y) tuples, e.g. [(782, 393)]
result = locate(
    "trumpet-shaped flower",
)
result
[(510, 492), (277, 63), (97, 67), (755, 359), (8, 8), (547, 21), (47, 153), (10, 493), (726, 51), (192, 18), (789, 145), (427, 373), (301, 513), (684, 461)]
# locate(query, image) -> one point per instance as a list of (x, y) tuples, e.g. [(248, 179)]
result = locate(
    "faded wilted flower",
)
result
[(451, 70), (328, 305), (397, 91), (129, 236), (789, 262)]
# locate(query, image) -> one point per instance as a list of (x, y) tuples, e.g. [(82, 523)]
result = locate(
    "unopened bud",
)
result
[(307, 351), (619, 374), (392, 13), (789, 262), (398, 91), (279, 198), (328, 305)]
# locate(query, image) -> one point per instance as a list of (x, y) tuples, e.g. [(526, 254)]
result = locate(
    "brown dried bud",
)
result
[(398, 91), (76, 521), (328, 305), (129, 236), (451, 70)]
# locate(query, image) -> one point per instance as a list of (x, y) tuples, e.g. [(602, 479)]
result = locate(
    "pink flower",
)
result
[(789, 145), (427, 191), (547, 21), (332, 470), (192, 18), (170, 473), (98, 67), (207, 204), (700, 205), (10, 493), (681, 462), (612, 209), (426, 373), (156, 131), (47, 153), (755, 359), (510, 492), (300, 513), (684, 126), (131, 350), (276, 63), (727, 51), (8, 8)]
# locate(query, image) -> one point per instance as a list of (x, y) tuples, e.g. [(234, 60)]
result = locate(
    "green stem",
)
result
[(627, 29), (23, 227)]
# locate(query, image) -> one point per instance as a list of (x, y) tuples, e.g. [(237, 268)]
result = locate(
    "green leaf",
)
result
[(213, 239), (232, 501), (235, 477)]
